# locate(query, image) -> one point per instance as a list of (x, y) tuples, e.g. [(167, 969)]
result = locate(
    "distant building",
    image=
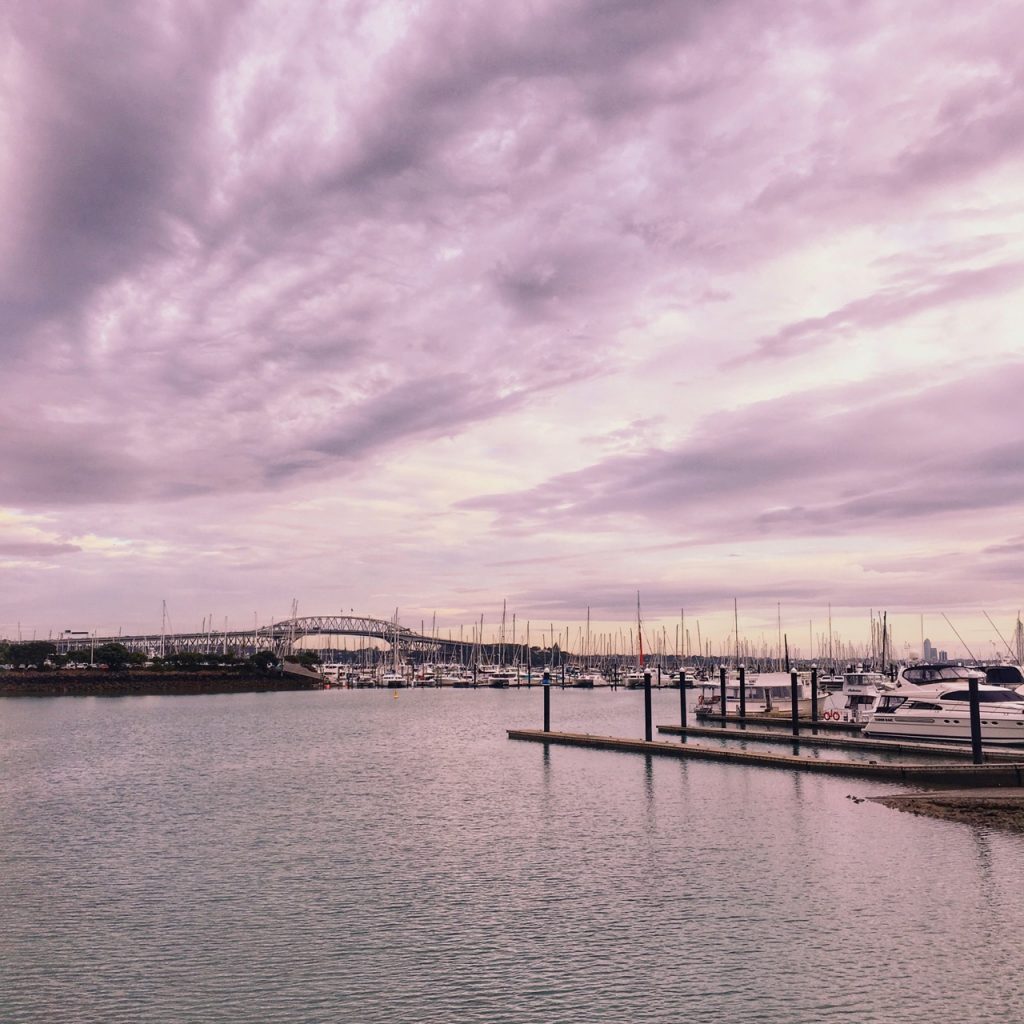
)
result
[(943, 656), (929, 652)]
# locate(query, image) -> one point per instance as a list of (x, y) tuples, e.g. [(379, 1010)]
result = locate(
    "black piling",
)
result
[(546, 687), (721, 691), (794, 701), (976, 754), (682, 699), (743, 696), (648, 728), (563, 675), (814, 694)]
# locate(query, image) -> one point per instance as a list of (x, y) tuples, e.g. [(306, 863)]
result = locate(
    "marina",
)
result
[(628, 396)]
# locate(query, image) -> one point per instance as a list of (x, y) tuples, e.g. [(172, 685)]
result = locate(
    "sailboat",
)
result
[(394, 680), (586, 679), (635, 677), (501, 676)]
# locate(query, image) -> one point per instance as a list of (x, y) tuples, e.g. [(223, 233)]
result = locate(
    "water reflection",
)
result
[(349, 857)]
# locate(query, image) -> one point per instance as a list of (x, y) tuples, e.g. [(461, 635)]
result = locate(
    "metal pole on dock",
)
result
[(682, 698), (648, 729), (743, 696), (976, 754), (794, 702), (814, 694), (546, 687), (721, 690)]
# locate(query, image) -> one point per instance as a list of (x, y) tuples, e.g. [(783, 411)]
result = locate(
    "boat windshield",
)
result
[(984, 696), (1005, 675), (922, 675)]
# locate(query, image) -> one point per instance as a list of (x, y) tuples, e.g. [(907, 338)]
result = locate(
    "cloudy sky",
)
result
[(435, 305)]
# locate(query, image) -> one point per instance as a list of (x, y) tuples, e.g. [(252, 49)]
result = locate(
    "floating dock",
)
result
[(783, 722), (964, 776), (844, 742)]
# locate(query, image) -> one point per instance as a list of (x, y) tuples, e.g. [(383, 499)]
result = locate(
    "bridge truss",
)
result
[(281, 638)]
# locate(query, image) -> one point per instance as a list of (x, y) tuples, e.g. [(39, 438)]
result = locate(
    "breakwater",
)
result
[(98, 683)]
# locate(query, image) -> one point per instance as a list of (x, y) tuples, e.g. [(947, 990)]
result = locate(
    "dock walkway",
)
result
[(844, 742), (959, 775)]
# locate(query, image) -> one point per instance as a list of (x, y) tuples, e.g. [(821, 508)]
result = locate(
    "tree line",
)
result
[(115, 657)]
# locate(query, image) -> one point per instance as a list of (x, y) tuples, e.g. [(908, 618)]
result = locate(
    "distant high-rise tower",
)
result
[(928, 652)]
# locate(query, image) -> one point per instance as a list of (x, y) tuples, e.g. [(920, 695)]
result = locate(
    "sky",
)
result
[(436, 306)]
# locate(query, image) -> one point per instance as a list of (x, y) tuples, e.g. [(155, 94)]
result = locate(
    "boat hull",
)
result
[(941, 729)]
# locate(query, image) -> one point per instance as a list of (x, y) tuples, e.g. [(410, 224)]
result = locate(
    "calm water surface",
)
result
[(356, 856)]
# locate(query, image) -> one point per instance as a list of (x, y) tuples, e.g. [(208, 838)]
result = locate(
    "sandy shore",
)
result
[(994, 808)]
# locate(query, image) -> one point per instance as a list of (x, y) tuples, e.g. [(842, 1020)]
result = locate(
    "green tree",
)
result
[(263, 661), (187, 661), (32, 652), (115, 656)]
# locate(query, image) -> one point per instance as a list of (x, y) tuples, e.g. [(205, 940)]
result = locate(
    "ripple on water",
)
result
[(355, 856)]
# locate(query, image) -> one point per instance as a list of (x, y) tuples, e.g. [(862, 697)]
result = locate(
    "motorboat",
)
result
[(502, 677), (764, 693), (932, 703), (831, 682), (635, 679), (859, 695)]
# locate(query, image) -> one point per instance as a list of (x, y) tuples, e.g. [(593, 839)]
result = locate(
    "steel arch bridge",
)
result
[(279, 637)]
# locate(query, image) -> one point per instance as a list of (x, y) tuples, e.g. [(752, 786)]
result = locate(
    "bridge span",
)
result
[(279, 637)]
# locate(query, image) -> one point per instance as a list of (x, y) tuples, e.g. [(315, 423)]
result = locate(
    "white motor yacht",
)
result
[(932, 703), (501, 677), (765, 692), (634, 678)]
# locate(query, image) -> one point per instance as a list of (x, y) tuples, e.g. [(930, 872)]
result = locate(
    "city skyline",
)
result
[(432, 308)]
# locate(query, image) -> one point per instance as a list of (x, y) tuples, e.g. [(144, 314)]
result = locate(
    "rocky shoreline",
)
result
[(97, 683), (1003, 809)]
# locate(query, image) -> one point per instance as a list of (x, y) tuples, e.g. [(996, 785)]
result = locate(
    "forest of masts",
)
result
[(507, 643)]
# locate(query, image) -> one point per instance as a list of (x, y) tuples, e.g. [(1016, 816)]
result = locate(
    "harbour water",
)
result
[(374, 856)]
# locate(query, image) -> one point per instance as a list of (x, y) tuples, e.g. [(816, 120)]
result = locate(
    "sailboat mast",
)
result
[(736, 629), (639, 631), (831, 658)]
